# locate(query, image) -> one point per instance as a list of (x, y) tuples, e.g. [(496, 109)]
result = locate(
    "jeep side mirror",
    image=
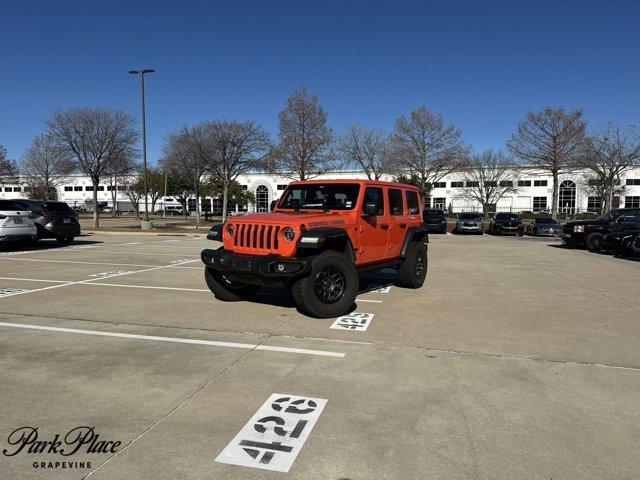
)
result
[(370, 209)]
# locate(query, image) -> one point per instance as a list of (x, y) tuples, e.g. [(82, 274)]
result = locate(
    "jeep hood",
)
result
[(309, 219), (586, 222)]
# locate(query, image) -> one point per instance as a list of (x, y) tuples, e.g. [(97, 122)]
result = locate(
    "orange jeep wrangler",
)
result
[(319, 235)]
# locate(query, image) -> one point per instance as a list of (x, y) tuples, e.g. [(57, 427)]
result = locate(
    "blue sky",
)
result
[(481, 64)]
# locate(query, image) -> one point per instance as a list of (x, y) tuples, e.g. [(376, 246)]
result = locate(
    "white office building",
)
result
[(533, 192)]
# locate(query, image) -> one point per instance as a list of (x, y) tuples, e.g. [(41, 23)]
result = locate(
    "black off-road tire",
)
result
[(306, 290), (64, 240), (226, 290), (593, 241), (410, 274)]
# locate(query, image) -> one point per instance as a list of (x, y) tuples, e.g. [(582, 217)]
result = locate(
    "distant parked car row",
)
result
[(31, 220), (501, 224)]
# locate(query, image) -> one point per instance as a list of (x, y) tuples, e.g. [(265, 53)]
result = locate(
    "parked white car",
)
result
[(16, 223)]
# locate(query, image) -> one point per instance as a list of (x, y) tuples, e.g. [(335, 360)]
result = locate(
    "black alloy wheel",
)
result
[(329, 284)]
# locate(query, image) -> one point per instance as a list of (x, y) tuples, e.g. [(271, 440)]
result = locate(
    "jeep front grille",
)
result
[(255, 236)]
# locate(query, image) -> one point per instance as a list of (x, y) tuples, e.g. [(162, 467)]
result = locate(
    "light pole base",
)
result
[(146, 225)]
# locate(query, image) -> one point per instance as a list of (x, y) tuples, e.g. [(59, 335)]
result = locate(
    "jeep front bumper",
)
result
[(256, 269)]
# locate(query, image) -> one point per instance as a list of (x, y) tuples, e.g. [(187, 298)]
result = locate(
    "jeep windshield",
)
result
[(320, 196)]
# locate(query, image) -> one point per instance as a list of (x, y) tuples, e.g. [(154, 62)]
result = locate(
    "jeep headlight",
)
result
[(288, 233), (230, 229), (578, 228)]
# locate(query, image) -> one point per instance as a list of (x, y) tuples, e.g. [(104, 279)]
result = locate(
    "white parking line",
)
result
[(88, 263), (33, 280), (95, 279), (246, 346)]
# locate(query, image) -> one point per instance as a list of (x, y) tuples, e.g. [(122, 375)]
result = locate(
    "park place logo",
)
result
[(56, 452)]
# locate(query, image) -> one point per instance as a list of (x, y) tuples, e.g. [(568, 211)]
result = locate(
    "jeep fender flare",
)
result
[(333, 238), (413, 233)]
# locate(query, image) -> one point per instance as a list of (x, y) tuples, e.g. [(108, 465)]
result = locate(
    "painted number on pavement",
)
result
[(353, 321), (109, 274), (274, 436), (5, 292)]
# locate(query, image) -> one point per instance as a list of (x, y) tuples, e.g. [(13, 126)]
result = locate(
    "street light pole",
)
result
[(141, 72)]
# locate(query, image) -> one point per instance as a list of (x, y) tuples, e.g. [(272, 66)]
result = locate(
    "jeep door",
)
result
[(397, 221), (372, 230)]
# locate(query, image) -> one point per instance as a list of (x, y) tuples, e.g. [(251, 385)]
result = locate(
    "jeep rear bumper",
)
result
[(256, 269)]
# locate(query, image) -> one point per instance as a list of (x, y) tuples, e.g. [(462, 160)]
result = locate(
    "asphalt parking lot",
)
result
[(517, 359)]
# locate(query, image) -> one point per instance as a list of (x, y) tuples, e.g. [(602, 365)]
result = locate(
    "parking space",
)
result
[(517, 359)]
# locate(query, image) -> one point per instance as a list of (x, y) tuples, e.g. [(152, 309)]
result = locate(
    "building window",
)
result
[(457, 184), (101, 188), (632, 202), (281, 186), (506, 183), (490, 183), (89, 188), (539, 183), (77, 189), (524, 183), (8, 189), (594, 204), (109, 188), (439, 203), (439, 184), (17, 189), (122, 188), (471, 184), (68, 189), (245, 187), (539, 203), (633, 181)]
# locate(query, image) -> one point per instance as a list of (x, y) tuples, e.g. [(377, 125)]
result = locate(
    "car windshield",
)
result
[(507, 216), (610, 216), (469, 216), (321, 196), (57, 207), (545, 220), (434, 213)]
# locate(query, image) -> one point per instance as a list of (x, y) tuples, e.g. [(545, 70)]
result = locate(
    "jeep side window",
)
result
[(395, 202), (412, 202), (374, 195)]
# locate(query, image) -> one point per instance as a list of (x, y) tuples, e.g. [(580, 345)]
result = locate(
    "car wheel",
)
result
[(593, 241), (413, 270), (331, 288), (64, 240), (227, 290)]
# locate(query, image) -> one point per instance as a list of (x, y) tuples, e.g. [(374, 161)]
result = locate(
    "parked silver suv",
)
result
[(469, 222)]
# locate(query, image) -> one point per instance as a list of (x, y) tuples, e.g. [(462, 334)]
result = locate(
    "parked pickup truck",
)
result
[(318, 237), (590, 233)]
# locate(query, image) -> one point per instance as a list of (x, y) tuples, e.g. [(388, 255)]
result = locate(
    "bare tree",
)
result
[(366, 148), (184, 159), (231, 149), (304, 148), (118, 173), (45, 166), (134, 190), (552, 140), (95, 138), (610, 151), (427, 148), (8, 168), (488, 177)]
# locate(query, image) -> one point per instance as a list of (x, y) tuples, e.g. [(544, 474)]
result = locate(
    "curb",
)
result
[(157, 234)]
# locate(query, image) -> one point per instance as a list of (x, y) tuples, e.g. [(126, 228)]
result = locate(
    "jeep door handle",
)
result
[(384, 226)]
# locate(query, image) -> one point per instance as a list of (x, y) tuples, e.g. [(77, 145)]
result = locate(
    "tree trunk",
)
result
[(554, 197), (611, 188), (197, 208), (225, 194), (114, 196), (96, 216)]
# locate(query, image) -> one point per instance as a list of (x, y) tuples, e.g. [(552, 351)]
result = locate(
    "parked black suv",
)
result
[(53, 219), (506, 223), (590, 233), (434, 220)]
